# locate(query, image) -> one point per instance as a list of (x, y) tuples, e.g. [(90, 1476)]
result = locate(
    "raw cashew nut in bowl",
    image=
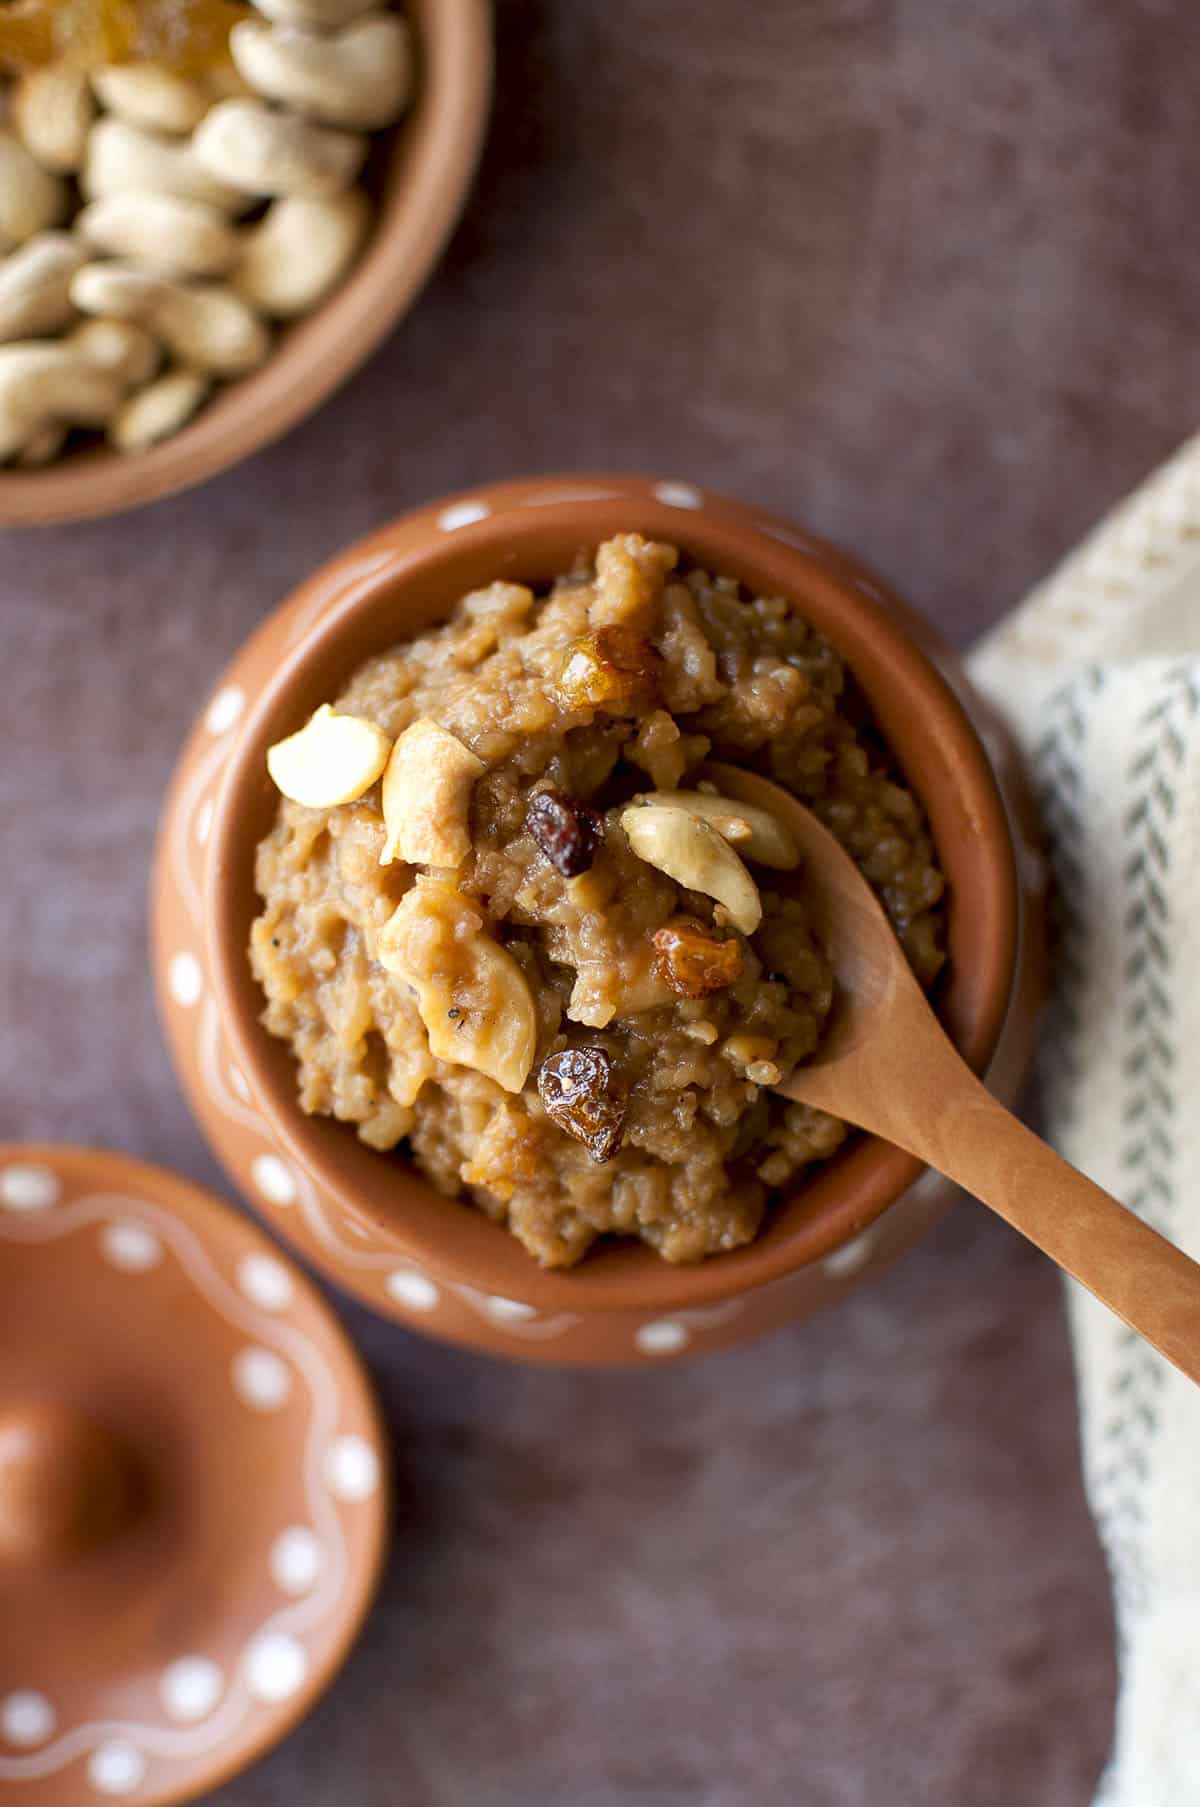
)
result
[(31, 199), (35, 286), (52, 113), (144, 199), (300, 250), (243, 145), (122, 156), (156, 412), (48, 385), (163, 233), (120, 347), (205, 325), (359, 77), (151, 97)]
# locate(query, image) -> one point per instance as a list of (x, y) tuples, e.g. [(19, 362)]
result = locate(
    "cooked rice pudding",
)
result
[(509, 928)]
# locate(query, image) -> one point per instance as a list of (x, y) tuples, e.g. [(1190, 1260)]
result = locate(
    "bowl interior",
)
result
[(416, 580), (419, 175)]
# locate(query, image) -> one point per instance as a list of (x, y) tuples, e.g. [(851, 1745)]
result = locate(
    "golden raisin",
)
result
[(583, 1096), (27, 35), (506, 1155), (188, 36), (690, 959), (612, 668)]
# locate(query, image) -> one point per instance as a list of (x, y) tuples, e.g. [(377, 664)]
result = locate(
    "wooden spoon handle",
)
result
[(974, 1141), (1141, 1276)]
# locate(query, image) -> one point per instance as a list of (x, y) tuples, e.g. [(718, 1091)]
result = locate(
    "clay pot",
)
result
[(422, 173), (371, 1221)]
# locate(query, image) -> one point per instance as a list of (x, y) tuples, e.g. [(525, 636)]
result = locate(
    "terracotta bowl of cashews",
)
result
[(189, 265), (370, 1220)]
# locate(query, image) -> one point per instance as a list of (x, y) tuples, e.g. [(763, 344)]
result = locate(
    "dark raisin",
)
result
[(567, 833), (583, 1096)]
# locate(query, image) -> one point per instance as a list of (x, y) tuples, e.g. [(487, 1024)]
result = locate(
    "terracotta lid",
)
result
[(193, 1491)]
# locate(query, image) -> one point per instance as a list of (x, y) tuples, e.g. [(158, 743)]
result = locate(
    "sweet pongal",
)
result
[(509, 929)]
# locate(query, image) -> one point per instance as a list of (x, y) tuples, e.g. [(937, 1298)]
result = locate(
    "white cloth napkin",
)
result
[(1099, 674)]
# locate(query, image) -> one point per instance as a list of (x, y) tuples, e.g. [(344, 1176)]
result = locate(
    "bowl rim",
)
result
[(433, 161), (515, 538)]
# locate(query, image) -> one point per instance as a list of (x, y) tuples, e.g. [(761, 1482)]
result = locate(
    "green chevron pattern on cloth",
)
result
[(1099, 673)]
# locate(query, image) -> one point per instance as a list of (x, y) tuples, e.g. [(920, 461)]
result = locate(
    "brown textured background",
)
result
[(922, 273)]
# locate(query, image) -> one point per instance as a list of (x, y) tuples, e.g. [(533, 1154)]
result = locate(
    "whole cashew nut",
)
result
[(158, 411), (243, 144), (472, 995), (301, 249), (122, 348), (205, 325), (690, 850), (359, 77), (755, 832), (426, 797), (52, 112), (35, 286), (31, 199), (121, 156), (149, 96), (161, 232), (44, 385)]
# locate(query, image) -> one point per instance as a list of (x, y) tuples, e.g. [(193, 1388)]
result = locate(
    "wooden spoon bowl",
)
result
[(886, 1064)]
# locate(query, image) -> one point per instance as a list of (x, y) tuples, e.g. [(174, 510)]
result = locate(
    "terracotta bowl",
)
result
[(370, 1220), (423, 173)]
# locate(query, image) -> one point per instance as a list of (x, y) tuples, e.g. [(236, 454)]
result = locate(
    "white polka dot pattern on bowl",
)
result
[(276, 1667), (297, 1559), (262, 1379), (508, 1311), (274, 1179), (352, 1469), (416, 1290), (678, 495), (852, 1256), (131, 1247), (28, 1188), (463, 514), (190, 1688), (26, 1718), (225, 709), (185, 981), (117, 1767), (666, 1336), (265, 1282)]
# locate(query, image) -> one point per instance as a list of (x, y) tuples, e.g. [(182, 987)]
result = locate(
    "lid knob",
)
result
[(66, 1484)]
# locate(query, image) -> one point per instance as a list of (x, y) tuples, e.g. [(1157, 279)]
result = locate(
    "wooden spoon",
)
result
[(886, 1064)]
